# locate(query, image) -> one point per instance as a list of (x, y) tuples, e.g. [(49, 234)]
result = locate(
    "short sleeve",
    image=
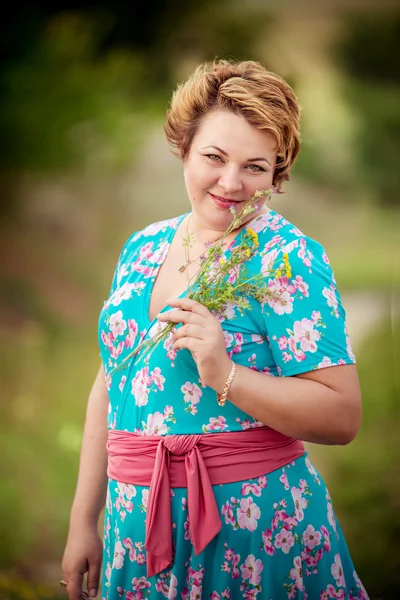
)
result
[(304, 320)]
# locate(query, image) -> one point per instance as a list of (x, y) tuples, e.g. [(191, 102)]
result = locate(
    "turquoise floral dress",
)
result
[(280, 537)]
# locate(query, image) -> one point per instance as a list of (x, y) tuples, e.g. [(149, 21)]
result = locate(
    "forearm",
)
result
[(92, 479), (297, 407)]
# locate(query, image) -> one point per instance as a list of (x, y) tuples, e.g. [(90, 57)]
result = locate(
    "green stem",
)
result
[(152, 343)]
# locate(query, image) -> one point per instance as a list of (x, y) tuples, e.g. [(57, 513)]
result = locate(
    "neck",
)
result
[(201, 233)]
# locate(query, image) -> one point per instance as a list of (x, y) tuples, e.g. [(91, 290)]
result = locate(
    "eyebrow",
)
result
[(249, 160)]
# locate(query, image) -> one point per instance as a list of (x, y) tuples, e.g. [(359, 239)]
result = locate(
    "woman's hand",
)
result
[(83, 553), (202, 334)]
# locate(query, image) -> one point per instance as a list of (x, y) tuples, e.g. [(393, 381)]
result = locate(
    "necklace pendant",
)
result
[(183, 267)]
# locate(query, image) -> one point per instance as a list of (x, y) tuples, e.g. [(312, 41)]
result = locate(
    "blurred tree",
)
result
[(79, 84), (62, 107), (369, 51), (371, 45)]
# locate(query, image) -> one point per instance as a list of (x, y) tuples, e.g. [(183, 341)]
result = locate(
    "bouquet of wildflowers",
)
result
[(221, 280)]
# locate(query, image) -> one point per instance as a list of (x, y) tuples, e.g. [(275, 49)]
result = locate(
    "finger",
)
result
[(190, 330), (74, 586), (191, 344), (189, 304), (180, 316), (93, 577)]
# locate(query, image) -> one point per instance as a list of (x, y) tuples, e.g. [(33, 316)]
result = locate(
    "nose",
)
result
[(230, 180)]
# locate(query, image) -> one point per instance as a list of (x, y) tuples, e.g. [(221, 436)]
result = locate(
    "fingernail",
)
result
[(93, 593)]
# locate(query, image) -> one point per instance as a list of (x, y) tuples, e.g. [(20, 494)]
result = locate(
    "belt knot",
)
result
[(180, 444)]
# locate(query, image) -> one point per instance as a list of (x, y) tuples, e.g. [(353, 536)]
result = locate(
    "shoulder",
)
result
[(278, 236), (145, 249), (159, 227), (150, 234)]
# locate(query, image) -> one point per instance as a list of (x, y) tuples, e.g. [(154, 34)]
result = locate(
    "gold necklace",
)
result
[(189, 260)]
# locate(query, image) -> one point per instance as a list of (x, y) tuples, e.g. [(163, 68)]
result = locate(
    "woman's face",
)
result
[(228, 161)]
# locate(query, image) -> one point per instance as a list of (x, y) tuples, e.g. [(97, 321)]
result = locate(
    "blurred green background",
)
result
[(83, 163)]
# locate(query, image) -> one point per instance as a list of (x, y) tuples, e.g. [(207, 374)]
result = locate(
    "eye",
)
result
[(256, 169), (213, 157)]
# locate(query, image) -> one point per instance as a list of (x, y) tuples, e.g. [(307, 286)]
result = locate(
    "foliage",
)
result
[(370, 46), (366, 480), (82, 95), (65, 108), (368, 52), (378, 139), (212, 32), (18, 588), (80, 88)]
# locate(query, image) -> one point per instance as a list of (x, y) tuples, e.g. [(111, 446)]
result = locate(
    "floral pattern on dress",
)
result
[(280, 537)]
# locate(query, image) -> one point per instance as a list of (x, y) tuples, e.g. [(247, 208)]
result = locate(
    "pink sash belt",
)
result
[(195, 462)]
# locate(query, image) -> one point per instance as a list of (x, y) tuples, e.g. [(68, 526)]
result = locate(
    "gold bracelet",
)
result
[(221, 398)]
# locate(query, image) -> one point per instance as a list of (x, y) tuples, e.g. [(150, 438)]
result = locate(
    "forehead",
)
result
[(233, 133)]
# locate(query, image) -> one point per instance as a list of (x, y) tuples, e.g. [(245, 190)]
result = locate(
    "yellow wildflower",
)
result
[(278, 273), (288, 269), (253, 235)]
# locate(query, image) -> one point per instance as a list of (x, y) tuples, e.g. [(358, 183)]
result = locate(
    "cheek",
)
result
[(200, 177)]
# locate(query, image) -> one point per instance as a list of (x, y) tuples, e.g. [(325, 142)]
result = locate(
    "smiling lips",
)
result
[(225, 202)]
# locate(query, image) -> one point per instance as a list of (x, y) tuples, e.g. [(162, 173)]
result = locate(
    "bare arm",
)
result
[(322, 406), (92, 480), (84, 549)]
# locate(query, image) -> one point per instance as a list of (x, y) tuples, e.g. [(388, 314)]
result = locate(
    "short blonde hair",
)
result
[(245, 88)]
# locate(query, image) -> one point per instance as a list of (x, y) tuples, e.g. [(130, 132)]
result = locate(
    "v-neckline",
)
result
[(169, 238)]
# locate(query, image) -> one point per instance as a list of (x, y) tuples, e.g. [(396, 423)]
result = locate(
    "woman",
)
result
[(213, 417)]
